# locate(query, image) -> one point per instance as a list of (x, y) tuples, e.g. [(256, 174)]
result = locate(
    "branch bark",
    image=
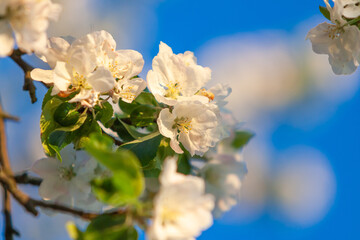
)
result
[(24, 178), (28, 81)]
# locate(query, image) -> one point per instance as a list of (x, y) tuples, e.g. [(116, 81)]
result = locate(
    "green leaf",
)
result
[(241, 139), (131, 130), (66, 114), (55, 107), (127, 181), (58, 140), (184, 163), (104, 113), (146, 98), (127, 107), (108, 227), (325, 12), (144, 115), (145, 148), (81, 135), (153, 169), (122, 131), (47, 97)]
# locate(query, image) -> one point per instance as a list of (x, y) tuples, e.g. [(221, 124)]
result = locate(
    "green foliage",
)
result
[(145, 148), (184, 163), (144, 115), (50, 124), (153, 169), (109, 227), (126, 183), (241, 139), (145, 104), (61, 123), (104, 112), (66, 114), (325, 12)]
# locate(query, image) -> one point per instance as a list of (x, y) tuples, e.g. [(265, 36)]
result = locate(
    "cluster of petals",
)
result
[(67, 182), (182, 210), (338, 39), (193, 118), (25, 21), (223, 176), (91, 67)]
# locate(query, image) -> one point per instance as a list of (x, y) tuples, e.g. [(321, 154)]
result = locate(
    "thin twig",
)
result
[(9, 117), (9, 229), (28, 81), (24, 178), (20, 197), (4, 158)]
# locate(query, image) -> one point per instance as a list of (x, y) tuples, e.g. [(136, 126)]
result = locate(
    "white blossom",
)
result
[(223, 176), (339, 40), (92, 66), (175, 77), (68, 182), (182, 210), (193, 124), (348, 8), (28, 21)]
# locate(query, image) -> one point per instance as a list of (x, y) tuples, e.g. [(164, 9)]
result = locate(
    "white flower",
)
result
[(348, 8), (193, 124), (124, 65), (182, 210), (216, 94), (175, 76), (29, 20), (223, 175), (92, 66), (338, 40), (68, 182)]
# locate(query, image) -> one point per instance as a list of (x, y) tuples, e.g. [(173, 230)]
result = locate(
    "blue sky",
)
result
[(188, 25)]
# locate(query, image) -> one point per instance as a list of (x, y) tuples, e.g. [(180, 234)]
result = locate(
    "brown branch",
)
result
[(9, 117), (24, 178), (28, 81), (9, 229), (4, 158)]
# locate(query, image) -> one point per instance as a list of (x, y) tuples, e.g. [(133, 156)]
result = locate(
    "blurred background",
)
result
[(304, 161)]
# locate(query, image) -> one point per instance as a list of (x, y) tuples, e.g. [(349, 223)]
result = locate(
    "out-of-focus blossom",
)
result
[(182, 210), (263, 73), (175, 77), (68, 182), (193, 124), (28, 20), (223, 176)]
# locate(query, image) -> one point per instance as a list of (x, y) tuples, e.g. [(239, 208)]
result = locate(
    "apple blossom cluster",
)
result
[(25, 21), (91, 67), (108, 134), (340, 38)]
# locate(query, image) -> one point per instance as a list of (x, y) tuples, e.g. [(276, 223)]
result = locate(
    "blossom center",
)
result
[(169, 215), (183, 124), (79, 81), (172, 90), (66, 173), (334, 31), (206, 93)]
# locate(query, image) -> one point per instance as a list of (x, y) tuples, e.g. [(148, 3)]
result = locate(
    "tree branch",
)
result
[(24, 178), (9, 229), (28, 81)]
